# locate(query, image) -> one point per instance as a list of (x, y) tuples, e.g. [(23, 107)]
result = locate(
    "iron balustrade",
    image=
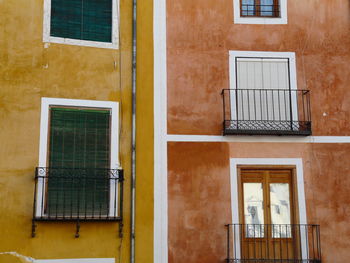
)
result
[(255, 10), (269, 243), (78, 194), (266, 112)]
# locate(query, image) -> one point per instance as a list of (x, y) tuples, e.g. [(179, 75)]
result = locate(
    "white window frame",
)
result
[(47, 38), (282, 20), (263, 54), (297, 163), (46, 103)]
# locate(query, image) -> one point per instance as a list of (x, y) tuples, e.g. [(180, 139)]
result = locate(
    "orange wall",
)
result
[(199, 201), (201, 33)]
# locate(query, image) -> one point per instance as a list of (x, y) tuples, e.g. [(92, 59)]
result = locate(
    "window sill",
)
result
[(78, 218), (261, 20), (84, 43)]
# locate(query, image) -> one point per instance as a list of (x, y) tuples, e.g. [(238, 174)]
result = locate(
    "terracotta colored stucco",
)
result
[(201, 33), (200, 195)]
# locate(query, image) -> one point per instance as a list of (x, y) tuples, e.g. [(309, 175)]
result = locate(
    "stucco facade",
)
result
[(199, 37), (31, 69)]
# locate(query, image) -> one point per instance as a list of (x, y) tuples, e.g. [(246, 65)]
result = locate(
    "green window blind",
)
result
[(79, 159), (82, 19)]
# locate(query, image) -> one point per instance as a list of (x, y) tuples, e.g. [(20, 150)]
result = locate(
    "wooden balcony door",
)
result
[(267, 214)]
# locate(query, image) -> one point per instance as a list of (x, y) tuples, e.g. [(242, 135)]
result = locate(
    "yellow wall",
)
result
[(144, 140), (28, 72)]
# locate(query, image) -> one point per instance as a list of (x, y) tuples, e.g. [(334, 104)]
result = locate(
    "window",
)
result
[(260, 8), (81, 22), (78, 171), (269, 221), (260, 11), (267, 200), (263, 97), (267, 213)]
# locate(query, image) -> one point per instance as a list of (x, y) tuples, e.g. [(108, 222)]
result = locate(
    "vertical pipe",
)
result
[(133, 139)]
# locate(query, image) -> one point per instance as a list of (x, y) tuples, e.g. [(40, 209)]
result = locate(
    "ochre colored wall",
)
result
[(199, 201), (144, 134), (28, 72), (201, 33)]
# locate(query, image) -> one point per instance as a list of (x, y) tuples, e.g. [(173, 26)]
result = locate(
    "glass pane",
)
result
[(248, 7), (254, 209), (280, 210), (266, 8)]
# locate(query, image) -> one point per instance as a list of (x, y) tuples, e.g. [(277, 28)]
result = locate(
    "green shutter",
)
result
[(82, 19), (79, 159)]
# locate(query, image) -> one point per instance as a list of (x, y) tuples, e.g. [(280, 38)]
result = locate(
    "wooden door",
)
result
[(267, 215)]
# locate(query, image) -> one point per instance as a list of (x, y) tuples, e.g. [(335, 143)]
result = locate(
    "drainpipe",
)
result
[(133, 139)]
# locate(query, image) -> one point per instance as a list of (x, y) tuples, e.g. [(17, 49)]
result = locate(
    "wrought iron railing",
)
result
[(82, 194), (266, 112), (266, 243), (253, 10)]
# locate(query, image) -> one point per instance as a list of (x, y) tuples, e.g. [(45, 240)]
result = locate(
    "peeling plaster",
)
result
[(17, 255)]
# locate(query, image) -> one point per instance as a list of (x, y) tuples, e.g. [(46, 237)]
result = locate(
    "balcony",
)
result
[(84, 194), (266, 112), (273, 243)]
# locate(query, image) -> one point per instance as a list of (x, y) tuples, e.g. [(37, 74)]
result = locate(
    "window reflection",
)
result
[(280, 210), (253, 209)]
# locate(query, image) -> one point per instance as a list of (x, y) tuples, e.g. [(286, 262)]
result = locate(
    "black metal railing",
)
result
[(296, 243), (254, 10), (82, 194), (266, 112)]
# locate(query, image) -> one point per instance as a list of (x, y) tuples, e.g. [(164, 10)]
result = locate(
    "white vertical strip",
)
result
[(115, 23), (47, 20), (233, 85), (235, 204), (160, 133), (114, 162), (115, 136), (297, 162), (44, 127)]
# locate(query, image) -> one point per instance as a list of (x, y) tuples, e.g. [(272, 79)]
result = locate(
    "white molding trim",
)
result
[(60, 40), (297, 162), (43, 144), (78, 260), (261, 20), (270, 139), (160, 131)]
